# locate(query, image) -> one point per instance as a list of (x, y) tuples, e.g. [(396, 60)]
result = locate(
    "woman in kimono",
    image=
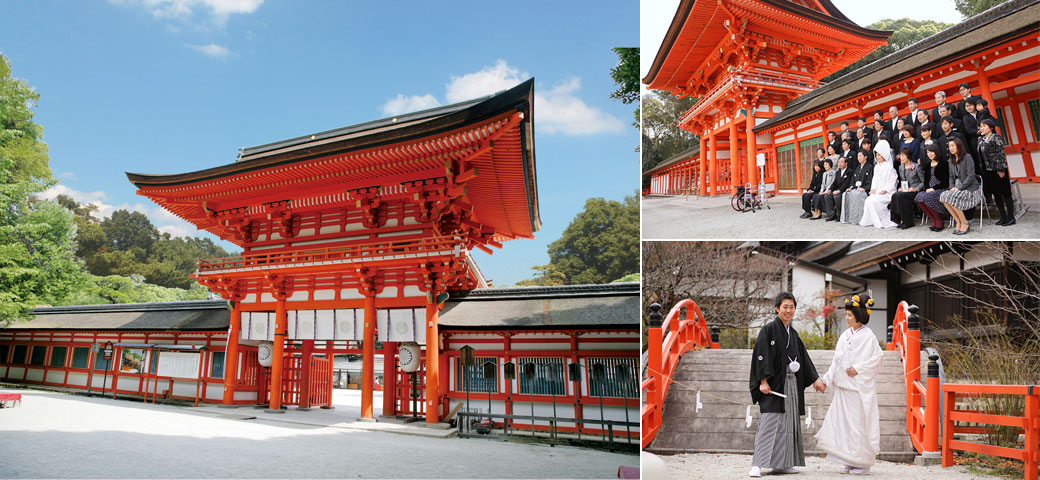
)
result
[(936, 180), (884, 184), (852, 200), (910, 182), (851, 431), (963, 185)]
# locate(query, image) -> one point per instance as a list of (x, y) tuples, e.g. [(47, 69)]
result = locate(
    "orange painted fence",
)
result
[(1029, 422), (681, 331), (923, 414), (321, 382)]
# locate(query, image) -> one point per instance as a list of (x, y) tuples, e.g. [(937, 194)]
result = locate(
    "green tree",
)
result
[(37, 260), (626, 76), (970, 8), (20, 138), (545, 275), (661, 136), (601, 244), (905, 32), (126, 230)]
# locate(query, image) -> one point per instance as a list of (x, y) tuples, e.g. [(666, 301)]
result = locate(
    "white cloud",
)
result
[(69, 176), (217, 11), (559, 110), (212, 50), (163, 220), (485, 82), (411, 103)]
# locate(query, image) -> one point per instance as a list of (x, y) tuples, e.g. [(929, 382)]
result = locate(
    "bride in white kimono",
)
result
[(885, 183), (851, 431)]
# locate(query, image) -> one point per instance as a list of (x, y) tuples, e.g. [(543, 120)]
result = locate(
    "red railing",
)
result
[(1029, 422), (683, 333), (357, 252), (922, 401)]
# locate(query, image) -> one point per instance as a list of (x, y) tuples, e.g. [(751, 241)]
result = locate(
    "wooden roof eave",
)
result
[(835, 19)]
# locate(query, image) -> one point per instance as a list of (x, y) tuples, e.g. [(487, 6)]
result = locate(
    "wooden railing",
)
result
[(357, 252), (1029, 422), (922, 401), (680, 331)]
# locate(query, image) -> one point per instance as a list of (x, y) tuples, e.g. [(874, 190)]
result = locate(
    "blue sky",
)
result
[(169, 86)]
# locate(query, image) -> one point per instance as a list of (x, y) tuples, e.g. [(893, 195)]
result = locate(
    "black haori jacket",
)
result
[(769, 360)]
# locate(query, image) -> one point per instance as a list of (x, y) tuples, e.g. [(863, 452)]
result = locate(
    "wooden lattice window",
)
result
[(471, 378), (549, 376), (785, 164), (807, 150), (1034, 118), (613, 377)]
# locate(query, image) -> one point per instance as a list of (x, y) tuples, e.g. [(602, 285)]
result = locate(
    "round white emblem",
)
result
[(772, 342), (759, 357)]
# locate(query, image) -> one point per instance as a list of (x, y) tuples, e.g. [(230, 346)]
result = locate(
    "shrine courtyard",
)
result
[(61, 435)]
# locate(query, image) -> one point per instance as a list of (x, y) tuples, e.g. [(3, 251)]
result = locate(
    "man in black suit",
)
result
[(940, 100), (911, 105), (971, 126), (842, 182), (833, 141), (868, 132), (947, 110), (948, 133), (965, 91), (893, 117)]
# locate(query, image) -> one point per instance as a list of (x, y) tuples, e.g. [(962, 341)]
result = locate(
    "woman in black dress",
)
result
[(936, 180), (814, 184), (996, 179), (910, 182)]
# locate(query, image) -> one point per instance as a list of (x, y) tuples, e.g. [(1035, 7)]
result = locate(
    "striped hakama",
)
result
[(778, 443), (852, 206)]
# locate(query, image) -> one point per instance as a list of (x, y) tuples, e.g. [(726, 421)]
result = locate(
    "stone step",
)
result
[(720, 424)]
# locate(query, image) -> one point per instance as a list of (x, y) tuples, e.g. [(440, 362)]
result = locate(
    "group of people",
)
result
[(876, 175), (781, 370)]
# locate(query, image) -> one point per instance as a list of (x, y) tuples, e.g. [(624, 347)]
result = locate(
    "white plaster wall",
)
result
[(807, 286)]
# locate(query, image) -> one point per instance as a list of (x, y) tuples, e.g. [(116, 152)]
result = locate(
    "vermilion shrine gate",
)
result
[(346, 227)]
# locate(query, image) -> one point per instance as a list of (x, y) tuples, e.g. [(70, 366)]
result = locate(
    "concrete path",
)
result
[(726, 466), (57, 435), (678, 217)]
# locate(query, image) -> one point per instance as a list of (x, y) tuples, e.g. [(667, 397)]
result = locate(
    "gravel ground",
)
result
[(678, 217), (722, 466), (56, 435)]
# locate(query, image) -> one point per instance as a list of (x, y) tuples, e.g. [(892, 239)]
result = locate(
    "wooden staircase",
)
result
[(719, 427)]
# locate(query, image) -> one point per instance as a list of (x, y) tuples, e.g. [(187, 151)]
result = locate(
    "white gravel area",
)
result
[(57, 435), (697, 218), (723, 466)]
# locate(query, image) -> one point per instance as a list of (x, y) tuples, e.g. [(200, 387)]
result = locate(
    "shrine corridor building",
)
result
[(755, 66), (356, 239)]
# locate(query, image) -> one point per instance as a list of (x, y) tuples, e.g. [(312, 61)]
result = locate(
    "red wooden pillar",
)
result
[(368, 355), (797, 162), (734, 169), (305, 375), (280, 327), (389, 377), (432, 359), (713, 168), (231, 356), (576, 385), (507, 346), (752, 144)]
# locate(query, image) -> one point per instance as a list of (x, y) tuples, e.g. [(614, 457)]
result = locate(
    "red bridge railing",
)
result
[(387, 250), (923, 414), (1029, 422), (682, 329)]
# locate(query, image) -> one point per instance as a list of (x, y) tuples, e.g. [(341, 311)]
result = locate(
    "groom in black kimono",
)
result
[(780, 364)]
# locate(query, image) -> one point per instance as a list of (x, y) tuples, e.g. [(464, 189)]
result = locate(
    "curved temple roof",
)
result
[(386, 151), (698, 26)]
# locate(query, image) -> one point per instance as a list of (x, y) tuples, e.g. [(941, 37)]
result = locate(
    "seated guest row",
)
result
[(941, 182)]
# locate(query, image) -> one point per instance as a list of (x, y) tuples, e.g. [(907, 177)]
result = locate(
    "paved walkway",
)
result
[(724, 466), (679, 217), (57, 435)]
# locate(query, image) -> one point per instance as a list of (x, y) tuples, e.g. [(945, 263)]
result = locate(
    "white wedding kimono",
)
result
[(875, 208), (851, 431)]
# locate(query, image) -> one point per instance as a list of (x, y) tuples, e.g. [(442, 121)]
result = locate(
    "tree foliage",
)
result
[(132, 289), (37, 253), (626, 75), (970, 8), (905, 32), (662, 138)]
